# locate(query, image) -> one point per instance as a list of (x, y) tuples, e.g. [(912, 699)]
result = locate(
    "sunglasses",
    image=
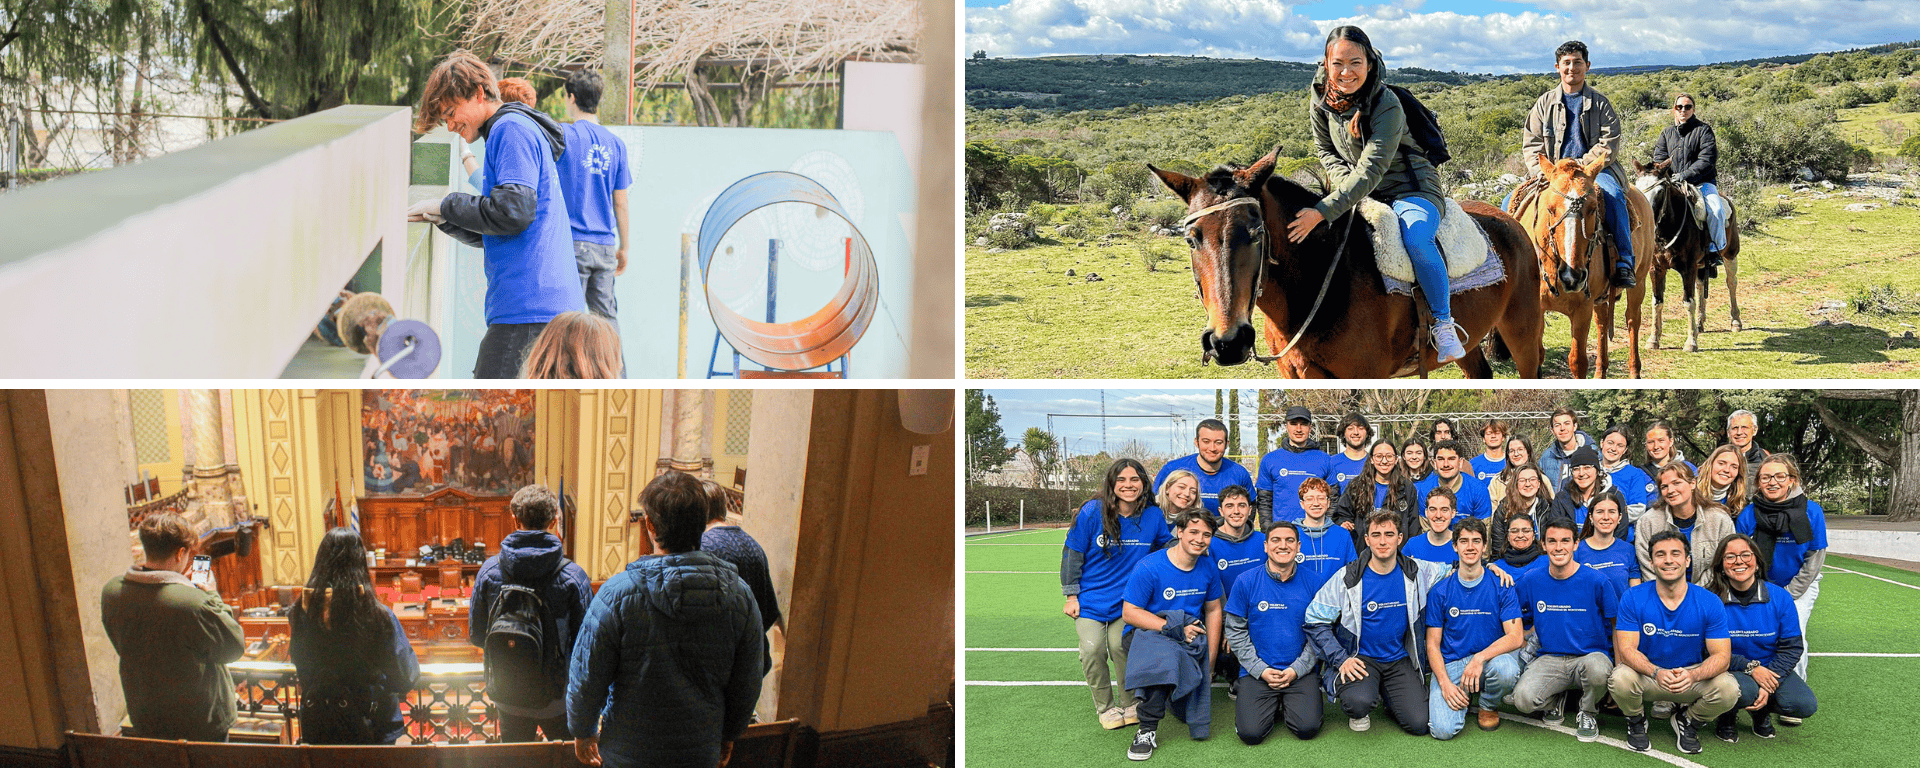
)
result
[(1683, 107)]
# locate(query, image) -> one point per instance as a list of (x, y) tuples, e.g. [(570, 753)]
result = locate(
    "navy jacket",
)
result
[(668, 663), (532, 559), (1166, 658)]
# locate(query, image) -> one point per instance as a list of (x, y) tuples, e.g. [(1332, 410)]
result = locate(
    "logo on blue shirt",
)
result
[(1267, 606), (599, 159), (1168, 594), (1223, 564), (1453, 613)]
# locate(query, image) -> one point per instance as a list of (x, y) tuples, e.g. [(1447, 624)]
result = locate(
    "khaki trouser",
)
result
[(1098, 643), (1709, 699)]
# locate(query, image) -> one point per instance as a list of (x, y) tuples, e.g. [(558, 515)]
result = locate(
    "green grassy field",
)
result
[(1045, 716), (1862, 125), (1026, 319)]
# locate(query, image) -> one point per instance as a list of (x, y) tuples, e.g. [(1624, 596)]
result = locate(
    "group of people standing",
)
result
[(1433, 578), (1362, 140), (661, 665), (551, 217)]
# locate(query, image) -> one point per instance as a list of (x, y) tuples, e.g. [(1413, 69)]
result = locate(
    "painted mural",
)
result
[(418, 441)]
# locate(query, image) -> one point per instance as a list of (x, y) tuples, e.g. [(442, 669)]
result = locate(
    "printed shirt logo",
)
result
[(1545, 607), (1649, 487), (1372, 606), (599, 159), (1100, 541), (1453, 612), (1648, 628), (1540, 607), (1267, 606), (1168, 594), (1299, 557), (1379, 606), (1223, 564)]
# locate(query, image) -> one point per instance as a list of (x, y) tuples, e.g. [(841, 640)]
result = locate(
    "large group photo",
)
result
[(1708, 577), (1446, 189)]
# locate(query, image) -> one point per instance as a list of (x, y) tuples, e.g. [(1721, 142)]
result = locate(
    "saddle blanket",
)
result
[(1696, 202), (1471, 263)]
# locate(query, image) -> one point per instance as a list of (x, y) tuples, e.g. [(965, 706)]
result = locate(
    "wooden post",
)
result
[(616, 69)]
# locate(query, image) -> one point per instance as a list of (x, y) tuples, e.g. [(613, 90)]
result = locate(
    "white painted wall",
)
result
[(1898, 545)]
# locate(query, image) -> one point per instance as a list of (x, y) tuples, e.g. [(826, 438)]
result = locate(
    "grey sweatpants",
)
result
[(1547, 676), (597, 261)]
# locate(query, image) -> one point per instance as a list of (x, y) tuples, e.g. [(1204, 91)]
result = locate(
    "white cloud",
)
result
[(1416, 33)]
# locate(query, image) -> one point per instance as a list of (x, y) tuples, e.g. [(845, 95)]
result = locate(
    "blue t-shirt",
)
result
[(1105, 572), (1517, 571), (1471, 500), (1571, 617), (1323, 555), (1282, 471), (1485, 469), (1757, 628), (1424, 486), (1230, 473), (1159, 586), (1469, 616), (1673, 638), (1575, 144), (1232, 559), (1342, 470), (1617, 562), (531, 276), (593, 168), (1638, 489), (1383, 616), (1421, 548), (1788, 555), (1276, 613)]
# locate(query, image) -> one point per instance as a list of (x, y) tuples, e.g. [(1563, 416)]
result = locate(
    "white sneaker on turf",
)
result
[(1359, 724)]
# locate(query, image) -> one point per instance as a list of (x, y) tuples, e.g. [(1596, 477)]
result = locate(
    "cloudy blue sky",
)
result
[(1459, 35), (1023, 408)]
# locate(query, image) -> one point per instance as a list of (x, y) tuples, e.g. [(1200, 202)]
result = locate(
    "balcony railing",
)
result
[(448, 705)]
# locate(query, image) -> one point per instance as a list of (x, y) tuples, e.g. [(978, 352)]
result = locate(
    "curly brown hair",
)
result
[(455, 79)]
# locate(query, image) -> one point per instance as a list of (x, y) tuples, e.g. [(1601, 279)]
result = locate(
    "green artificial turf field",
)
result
[(1025, 702)]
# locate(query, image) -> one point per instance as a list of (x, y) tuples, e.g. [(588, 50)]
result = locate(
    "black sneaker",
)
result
[(1763, 726), (1623, 277), (1686, 733), (1143, 744), (1554, 714), (1637, 733), (1723, 728)]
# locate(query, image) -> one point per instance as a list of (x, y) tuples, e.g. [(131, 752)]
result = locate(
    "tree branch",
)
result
[(1860, 394), (1884, 452), (226, 55)]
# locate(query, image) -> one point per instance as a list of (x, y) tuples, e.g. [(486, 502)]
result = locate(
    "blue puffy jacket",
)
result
[(668, 663), (533, 559)]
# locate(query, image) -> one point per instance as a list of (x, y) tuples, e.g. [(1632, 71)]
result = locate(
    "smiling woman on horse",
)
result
[(1360, 135)]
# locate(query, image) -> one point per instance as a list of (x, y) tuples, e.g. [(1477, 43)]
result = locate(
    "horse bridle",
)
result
[(1576, 205), (1266, 256), (1668, 186)]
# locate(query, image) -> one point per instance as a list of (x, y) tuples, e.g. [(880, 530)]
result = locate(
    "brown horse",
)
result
[(1682, 246), (1325, 293), (1576, 261)]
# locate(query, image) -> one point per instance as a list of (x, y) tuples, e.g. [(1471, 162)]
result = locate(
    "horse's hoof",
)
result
[(1736, 326), (1693, 347)]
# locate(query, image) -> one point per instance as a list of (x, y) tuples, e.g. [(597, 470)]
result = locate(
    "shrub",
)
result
[(1072, 229), (1160, 213), (1846, 96), (1908, 99), (1910, 148), (1153, 254), (1009, 238), (1042, 214), (1881, 300), (1882, 92), (1774, 143)]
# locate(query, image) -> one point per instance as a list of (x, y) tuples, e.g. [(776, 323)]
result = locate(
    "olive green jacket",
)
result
[(1387, 165), (1546, 130), (174, 641)]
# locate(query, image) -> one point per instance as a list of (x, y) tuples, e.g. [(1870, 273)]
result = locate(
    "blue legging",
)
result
[(1419, 222), (1616, 213)]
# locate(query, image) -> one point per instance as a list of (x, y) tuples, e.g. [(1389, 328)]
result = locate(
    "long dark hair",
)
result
[(1723, 586), (1110, 502), (1587, 529), (1533, 457), (1361, 489), (1359, 127), (339, 598)]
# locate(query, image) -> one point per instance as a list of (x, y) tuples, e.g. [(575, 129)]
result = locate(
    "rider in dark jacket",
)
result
[(1689, 143)]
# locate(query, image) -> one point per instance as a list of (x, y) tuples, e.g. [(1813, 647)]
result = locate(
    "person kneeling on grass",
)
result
[(1572, 608), (1767, 641), (1265, 617), (1473, 632), (1175, 599), (1673, 646), (1365, 621)]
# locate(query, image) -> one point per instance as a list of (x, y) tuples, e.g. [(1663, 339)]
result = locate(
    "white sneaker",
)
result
[(1131, 714), (1446, 340), (1113, 719), (1359, 724)]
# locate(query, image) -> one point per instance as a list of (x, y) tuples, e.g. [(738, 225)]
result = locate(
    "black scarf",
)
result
[(1524, 557), (1771, 519)]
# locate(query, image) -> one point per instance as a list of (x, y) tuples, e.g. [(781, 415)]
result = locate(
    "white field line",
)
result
[(1055, 573), (1008, 534), (1055, 546), (1816, 655), (1871, 576), (1020, 650)]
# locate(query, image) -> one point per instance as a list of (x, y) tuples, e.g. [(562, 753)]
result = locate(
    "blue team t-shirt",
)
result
[(1634, 485), (1282, 471), (531, 276), (1323, 555), (1211, 484), (1788, 555), (1485, 469), (1571, 617), (1159, 586), (1421, 548), (1424, 486), (1517, 571), (1472, 500), (1469, 616), (1678, 637), (593, 168), (1232, 559), (1276, 613), (1104, 574), (1383, 616), (1342, 470), (1617, 562), (1757, 628)]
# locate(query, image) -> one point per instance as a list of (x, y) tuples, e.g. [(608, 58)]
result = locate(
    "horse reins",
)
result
[(1324, 284), (1266, 256)]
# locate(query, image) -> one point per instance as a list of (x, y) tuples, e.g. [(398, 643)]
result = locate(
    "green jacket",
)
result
[(1387, 165), (174, 641)]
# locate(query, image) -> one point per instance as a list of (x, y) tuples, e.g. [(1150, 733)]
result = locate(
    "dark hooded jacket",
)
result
[(668, 663), (507, 209), (175, 641), (534, 559)]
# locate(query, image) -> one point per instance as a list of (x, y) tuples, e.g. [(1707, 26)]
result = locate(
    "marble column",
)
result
[(689, 432), (215, 497)]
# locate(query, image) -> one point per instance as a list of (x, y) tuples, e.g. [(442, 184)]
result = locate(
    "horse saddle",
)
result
[(1696, 202), (1462, 244)]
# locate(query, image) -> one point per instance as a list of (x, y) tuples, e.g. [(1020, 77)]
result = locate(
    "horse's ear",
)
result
[(1592, 169), (1642, 170), (1181, 184), (1262, 169)]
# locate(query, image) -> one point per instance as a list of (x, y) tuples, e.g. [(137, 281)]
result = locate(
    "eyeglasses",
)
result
[(1776, 477), (1683, 107), (1739, 555)]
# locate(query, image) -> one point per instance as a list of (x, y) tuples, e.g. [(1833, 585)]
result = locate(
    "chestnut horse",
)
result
[(1576, 261), (1682, 246), (1322, 298)]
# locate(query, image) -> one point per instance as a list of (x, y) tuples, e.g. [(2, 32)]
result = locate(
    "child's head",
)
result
[(459, 84), (575, 345), (518, 89)]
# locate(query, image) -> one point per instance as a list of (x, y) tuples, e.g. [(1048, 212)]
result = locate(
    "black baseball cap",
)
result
[(1299, 413)]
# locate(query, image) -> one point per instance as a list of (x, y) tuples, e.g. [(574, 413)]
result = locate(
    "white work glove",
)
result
[(425, 210)]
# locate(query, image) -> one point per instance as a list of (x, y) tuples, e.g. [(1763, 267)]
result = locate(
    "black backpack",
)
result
[(520, 663), (1425, 127)]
